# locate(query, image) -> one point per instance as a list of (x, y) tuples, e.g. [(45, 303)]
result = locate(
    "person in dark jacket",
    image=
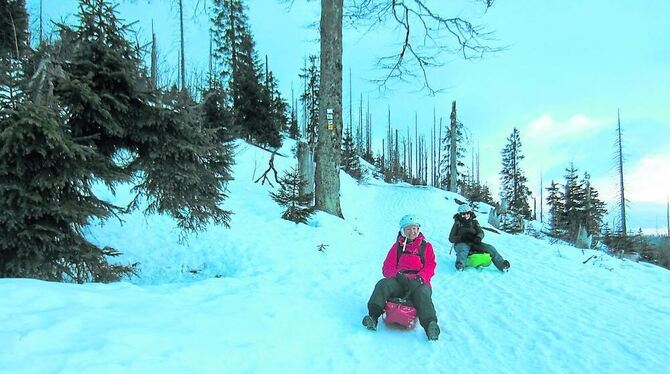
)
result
[(467, 234), (404, 272)]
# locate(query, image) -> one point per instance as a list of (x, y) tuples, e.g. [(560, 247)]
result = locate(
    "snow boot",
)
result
[(459, 266), (370, 323), (433, 330), (504, 266)]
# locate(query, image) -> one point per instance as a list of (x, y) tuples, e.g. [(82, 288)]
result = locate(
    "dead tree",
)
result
[(271, 167)]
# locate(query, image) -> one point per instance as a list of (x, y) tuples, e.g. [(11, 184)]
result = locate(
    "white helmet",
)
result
[(409, 219), (464, 208)]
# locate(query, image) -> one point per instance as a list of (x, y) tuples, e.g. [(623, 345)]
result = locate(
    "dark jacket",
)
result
[(462, 229)]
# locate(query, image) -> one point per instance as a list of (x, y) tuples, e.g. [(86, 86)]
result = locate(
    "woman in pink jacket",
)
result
[(408, 267)]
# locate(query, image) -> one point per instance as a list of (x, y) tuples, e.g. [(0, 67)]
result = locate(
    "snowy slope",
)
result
[(260, 297)]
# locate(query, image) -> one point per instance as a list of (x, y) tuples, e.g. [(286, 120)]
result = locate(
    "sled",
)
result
[(400, 313), (478, 260)]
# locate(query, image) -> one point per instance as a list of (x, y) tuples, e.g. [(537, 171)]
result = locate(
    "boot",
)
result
[(370, 323), (433, 330), (504, 266)]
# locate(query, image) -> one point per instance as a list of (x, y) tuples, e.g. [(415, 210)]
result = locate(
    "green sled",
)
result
[(478, 260)]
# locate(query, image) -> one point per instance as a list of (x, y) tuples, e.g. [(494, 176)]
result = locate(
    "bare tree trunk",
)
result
[(306, 166), (453, 144), (327, 176), (182, 63), (439, 156), (622, 197), (41, 24), (541, 198), (154, 62)]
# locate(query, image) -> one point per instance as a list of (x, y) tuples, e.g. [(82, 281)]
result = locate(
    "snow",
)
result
[(261, 298)]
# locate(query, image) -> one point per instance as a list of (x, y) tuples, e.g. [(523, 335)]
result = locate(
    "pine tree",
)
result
[(14, 49), (310, 99), (350, 162), (215, 110), (293, 129), (46, 199), (186, 163), (136, 133), (453, 146), (297, 204), (594, 208), (239, 67), (13, 28), (556, 208), (513, 187), (573, 202)]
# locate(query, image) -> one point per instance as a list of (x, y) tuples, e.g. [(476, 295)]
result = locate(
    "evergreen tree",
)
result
[(297, 204), (135, 132), (310, 99), (556, 208), (13, 28), (477, 192), (293, 130), (512, 180), (239, 66), (215, 110), (350, 162), (13, 51), (46, 199), (278, 106), (456, 139), (594, 208), (573, 203)]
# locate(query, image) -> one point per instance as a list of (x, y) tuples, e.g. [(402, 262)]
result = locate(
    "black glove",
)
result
[(477, 240), (402, 280)]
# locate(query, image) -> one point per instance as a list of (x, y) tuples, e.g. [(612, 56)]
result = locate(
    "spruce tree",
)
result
[(594, 208), (255, 112), (556, 208), (297, 204), (293, 129), (573, 203), (185, 164), (46, 199), (512, 180), (310, 99), (350, 162), (13, 28)]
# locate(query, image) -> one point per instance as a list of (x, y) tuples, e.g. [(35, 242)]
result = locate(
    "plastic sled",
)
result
[(400, 313), (478, 260)]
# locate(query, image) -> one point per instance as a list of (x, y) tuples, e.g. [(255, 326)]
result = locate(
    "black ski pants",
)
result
[(388, 288)]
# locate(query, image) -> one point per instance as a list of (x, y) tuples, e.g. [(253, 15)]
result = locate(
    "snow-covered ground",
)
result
[(261, 298)]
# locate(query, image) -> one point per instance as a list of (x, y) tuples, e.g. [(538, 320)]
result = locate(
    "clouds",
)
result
[(649, 179)]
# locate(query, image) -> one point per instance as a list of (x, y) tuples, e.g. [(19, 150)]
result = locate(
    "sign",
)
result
[(329, 118)]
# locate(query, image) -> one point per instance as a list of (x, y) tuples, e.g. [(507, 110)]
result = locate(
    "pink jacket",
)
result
[(411, 260)]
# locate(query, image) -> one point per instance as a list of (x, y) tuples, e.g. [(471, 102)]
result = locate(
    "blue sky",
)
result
[(568, 67)]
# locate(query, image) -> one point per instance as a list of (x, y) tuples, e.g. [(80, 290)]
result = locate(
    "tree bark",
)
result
[(182, 61), (306, 167), (327, 181)]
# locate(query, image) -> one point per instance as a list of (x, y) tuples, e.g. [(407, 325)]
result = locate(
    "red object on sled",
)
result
[(400, 313)]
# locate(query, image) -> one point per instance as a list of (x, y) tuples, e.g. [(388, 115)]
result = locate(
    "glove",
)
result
[(402, 280), (477, 240)]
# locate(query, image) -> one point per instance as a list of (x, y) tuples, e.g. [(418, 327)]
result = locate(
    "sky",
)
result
[(260, 298), (564, 72)]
